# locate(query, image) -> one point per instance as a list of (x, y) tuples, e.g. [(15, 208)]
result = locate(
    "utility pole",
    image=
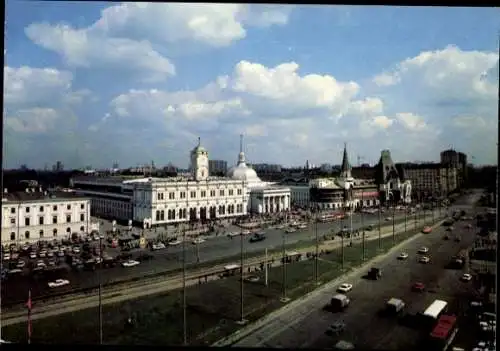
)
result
[(242, 311), (342, 233), (379, 226), (184, 292), (393, 222), (284, 298), (363, 224), (416, 218), (316, 263), (406, 217), (100, 290)]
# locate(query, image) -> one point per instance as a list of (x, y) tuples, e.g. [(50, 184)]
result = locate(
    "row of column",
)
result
[(277, 203)]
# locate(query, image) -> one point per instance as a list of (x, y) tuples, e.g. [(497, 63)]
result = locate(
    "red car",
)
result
[(418, 287)]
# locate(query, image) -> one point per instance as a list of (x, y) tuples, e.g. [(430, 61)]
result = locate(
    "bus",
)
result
[(433, 312), (443, 333), (330, 217)]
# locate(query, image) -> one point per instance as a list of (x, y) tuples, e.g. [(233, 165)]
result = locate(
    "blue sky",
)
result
[(93, 83)]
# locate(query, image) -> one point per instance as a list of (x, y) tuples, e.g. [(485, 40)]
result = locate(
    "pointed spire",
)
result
[(199, 141), (345, 171), (241, 156)]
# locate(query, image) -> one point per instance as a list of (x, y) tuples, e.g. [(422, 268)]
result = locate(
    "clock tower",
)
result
[(199, 162)]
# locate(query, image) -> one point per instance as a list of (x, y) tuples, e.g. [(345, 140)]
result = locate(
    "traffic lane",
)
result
[(368, 297)]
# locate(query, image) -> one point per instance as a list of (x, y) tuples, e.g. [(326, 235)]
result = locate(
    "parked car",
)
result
[(423, 250), (466, 277), (58, 283), (344, 288), (130, 263), (418, 287), (403, 256), (424, 259)]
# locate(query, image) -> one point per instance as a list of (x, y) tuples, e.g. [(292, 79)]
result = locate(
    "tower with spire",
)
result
[(241, 155), (345, 170)]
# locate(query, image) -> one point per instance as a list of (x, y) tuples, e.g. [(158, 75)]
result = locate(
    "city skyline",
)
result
[(85, 87)]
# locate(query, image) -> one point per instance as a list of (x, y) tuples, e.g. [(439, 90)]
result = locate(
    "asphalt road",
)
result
[(212, 249), (364, 327)]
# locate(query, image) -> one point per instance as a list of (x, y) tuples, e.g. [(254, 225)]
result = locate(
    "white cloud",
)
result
[(447, 74), (80, 48), (35, 86), (386, 79), (212, 24), (129, 35), (383, 122), (256, 130), (35, 120), (474, 123), (411, 121)]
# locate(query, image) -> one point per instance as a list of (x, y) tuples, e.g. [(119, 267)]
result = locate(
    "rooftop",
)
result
[(37, 196), (121, 180)]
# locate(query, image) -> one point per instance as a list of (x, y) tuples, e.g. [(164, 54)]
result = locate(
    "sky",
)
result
[(93, 83)]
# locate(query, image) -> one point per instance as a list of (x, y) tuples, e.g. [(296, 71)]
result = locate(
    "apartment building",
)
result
[(431, 178)]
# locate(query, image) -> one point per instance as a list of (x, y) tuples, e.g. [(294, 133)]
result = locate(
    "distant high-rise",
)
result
[(217, 167)]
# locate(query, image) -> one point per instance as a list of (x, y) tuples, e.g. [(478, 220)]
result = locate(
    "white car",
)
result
[(159, 246), (280, 227), (130, 263), (424, 259), (403, 256), (246, 232), (50, 254), (76, 249), (344, 288), (466, 277), (302, 226), (43, 253), (6, 257), (60, 253), (290, 230), (58, 283), (388, 219), (423, 250), (40, 263), (33, 255), (234, 233), (20, 264), (175, 242), (198, 241)]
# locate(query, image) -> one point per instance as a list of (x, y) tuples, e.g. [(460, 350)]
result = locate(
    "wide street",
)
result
[(213, 248), (305, 326)]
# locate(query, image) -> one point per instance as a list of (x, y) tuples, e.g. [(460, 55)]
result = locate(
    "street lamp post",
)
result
[(363, 226), (284, 298), (393, 222), (379, 226), (242, 312), (342, 233), (316, 263), (184, 292), (100, 290)]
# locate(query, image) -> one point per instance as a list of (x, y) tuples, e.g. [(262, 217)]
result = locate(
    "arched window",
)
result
[(12, 236), (41, 233), (54, 232), (162, 215), (82, 228), (68, 230), (27, 234)]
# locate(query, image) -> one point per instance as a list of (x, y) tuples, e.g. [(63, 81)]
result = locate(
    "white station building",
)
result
[(154, 202), (263, 197), (36, 215)]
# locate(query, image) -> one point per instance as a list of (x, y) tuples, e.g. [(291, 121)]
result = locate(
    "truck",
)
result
[(339, 302), (375, 273)]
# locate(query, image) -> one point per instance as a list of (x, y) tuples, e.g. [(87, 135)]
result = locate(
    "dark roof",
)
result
[(345, 161), (427, 165), (22, 196)]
